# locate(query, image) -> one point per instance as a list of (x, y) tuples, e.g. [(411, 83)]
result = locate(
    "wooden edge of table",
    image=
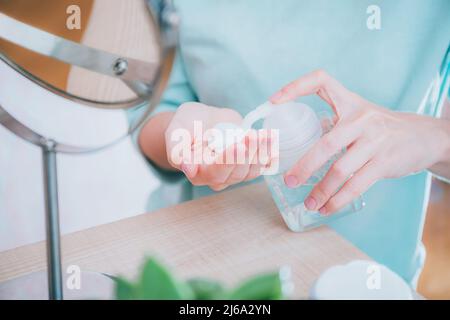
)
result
[(227, 236)]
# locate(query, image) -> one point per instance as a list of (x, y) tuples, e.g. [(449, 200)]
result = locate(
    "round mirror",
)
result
[(77, 76), (101, 59)]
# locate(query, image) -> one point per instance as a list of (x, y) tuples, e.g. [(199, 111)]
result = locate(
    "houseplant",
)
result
[(156, 282)]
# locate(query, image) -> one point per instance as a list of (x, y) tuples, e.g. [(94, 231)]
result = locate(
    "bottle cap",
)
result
[(298, 128)]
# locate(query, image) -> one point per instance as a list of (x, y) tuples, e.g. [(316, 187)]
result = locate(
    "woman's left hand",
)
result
[(380, 143)]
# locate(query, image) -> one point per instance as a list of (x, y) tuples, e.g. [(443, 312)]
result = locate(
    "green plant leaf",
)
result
[(261, 287), (124, 289), (206, 289), (156, 283)]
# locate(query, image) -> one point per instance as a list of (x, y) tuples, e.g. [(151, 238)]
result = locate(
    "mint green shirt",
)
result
[(236, 53)]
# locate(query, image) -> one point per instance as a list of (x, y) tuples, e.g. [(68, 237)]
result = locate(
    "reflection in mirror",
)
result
[(123, 28), (72, 47)]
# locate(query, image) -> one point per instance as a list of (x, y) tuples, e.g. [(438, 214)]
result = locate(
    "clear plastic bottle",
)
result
[(299, 128)]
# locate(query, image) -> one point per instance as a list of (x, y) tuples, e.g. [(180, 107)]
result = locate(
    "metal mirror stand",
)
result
[(134, 73), (48, 148)]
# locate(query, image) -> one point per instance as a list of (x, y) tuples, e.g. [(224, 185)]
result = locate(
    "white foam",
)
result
[(297, 124)]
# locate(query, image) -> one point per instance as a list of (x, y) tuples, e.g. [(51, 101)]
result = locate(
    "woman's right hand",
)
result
[(184, 145), (380, 144)]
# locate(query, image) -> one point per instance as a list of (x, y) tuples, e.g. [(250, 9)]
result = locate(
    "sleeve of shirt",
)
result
[(178, 89), (177, 92), (441, 97), (442, 88)]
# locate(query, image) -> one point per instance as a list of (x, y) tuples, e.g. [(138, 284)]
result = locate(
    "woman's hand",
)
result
[(213, 173), (380, 143)]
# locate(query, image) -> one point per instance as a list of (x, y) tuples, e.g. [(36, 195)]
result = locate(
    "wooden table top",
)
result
[(227, 236)]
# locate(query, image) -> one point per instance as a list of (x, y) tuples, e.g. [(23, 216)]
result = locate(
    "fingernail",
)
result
[(276, 96), (291, 181), (323, 211), (310, 203), (185, 169)]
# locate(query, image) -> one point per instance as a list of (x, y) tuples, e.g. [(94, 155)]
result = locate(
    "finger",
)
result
[(255, 165), (326, 147), (220, 187), (238, 174), (190, 170), (317, 82), (353, 160), (353, 188), (220, 170), (240, 170), (189, 166), (250, 168), (178, 147), (262, 155), (259, 169), (270, 155), (264, 151), (200, 166)]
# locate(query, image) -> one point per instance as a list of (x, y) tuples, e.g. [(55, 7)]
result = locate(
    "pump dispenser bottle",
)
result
[(299, 127)]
